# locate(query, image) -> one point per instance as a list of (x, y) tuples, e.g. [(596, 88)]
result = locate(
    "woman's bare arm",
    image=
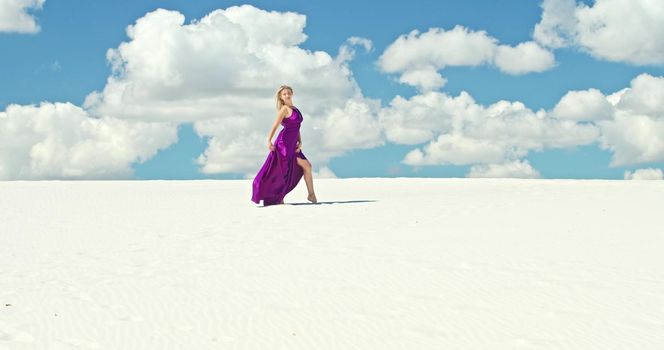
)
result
[(280, 116)]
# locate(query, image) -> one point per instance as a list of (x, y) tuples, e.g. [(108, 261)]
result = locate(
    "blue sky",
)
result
[(66, 60)]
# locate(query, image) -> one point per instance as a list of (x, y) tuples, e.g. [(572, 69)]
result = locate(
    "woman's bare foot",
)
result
[(312, 198)]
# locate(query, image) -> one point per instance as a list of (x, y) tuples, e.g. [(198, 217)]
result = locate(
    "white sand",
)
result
[(390, 264)]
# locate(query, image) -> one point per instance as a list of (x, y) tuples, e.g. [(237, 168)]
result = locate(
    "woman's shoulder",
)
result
[(288, 110), (285, 110)]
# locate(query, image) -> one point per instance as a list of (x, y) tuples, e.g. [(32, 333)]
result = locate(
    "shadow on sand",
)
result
[(334, 202)]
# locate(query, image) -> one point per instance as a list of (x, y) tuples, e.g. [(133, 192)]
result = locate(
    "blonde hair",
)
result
[(280, 103)]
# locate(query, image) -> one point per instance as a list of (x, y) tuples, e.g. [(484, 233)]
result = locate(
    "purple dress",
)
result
[(280, 173)]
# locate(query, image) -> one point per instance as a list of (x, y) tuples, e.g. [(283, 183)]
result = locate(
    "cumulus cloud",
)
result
[(458, 150), (636, 132), (426, 79), (347, 50), (417, 57), (438, 48), (226, 64), (457, 130), (615, 30), (61, 140), (221, 73), (558, 23), (14, 16), (633, 139), (645, 174), (587, 105), (631, 120), (424, 116), (524, 58), (354, 124), (515, 169), (324, 173), (645, 96)]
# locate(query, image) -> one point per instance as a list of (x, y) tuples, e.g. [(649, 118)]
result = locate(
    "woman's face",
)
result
[(286, 95)]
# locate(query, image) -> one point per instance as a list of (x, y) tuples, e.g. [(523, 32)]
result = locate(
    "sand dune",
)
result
[(379, 264)]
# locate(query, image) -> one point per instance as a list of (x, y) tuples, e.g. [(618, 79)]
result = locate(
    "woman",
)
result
[(285, 164)]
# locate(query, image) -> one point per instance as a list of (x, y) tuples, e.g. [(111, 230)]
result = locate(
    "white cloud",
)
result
[(458, 150), (237, 153), (351, 126), (557, 25), (584, 105), (424, 116), (615, 30), (646, 96), (417, 57), (347, 52), (460, 131), (457, 130), (14, 16), (636, 133), (524, 58), (324, 173), (426, 79), (515, 169), (227, 64), (221, 72), (60, 140), (645, 174), (438, 48), (633, 139)]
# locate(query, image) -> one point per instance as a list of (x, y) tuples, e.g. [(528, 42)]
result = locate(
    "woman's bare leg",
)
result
[(308, 178)]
